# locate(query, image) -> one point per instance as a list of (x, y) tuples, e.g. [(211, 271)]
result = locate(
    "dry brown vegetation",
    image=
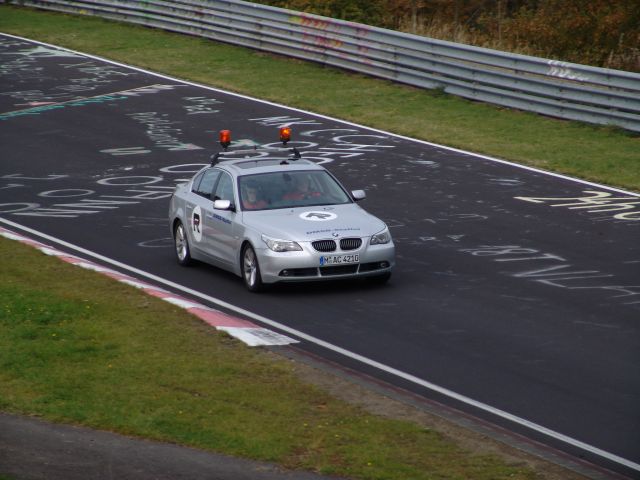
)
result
[(604, 33)]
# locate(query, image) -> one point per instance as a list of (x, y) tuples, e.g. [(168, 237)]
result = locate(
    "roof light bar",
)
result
[(225, 138), (225, 141)]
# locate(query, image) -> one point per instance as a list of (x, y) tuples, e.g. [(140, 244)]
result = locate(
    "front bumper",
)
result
[(301, 266)]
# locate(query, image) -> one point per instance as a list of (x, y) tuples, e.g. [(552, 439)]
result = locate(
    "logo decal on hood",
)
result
[(318, 216)]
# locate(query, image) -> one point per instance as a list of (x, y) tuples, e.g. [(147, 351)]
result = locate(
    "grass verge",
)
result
[(606, 155), (77, 347)]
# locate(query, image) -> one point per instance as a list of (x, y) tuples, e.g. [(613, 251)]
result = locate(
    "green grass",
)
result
[(80, 348), (603, 154)]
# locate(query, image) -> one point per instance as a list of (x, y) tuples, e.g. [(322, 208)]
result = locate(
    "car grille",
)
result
[(324, 245), (346, 244), (350, 243)]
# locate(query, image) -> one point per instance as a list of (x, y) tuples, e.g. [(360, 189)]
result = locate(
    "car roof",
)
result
[(240, 167)]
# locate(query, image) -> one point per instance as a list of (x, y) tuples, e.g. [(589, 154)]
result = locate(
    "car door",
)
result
[(199, 202), (221, 240)]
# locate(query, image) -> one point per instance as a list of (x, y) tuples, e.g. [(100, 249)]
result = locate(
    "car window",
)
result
[(293, 189), (224, 190), (204, 185), (196, 182)]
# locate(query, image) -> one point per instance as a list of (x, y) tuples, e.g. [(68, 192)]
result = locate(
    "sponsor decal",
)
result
[(220, 218), (318, 216), (196, 224), (335, 230)]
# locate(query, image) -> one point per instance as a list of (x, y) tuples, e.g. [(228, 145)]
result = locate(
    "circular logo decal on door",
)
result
[(318, 216), (196, 224)]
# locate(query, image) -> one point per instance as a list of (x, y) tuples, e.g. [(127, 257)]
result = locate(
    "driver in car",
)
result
[(301, 189)]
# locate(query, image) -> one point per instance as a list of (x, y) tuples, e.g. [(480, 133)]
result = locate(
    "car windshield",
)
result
[(267, 191)]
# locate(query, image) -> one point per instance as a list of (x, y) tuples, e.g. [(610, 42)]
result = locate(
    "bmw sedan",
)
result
[(272, 220)]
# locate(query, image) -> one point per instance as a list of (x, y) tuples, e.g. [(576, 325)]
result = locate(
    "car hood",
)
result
[(313, 223)]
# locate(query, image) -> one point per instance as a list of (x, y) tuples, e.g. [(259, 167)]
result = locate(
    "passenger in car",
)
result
[(251, 198)]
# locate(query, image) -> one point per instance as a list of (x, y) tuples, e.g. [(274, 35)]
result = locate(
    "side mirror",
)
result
[(358, 195), (222, 204)]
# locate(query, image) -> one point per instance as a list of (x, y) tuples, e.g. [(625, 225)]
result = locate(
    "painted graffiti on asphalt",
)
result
[(21, 60), (109, 193), (344, 143), (58, 200), (338, 143), (162, 131), (556, 271), (628, 207), (201, 105), (81, 102)]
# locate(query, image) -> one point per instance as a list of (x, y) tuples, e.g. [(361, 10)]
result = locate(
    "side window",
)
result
[(224, 190), (196, 182), (205, 186)]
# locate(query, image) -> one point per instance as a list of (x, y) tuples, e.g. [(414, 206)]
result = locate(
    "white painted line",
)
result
[(256, 337), (181, 302), (354, 356), (333, 119), (136, 283), (243, 330)]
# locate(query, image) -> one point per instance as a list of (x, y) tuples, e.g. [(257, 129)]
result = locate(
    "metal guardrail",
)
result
[(549, 87)]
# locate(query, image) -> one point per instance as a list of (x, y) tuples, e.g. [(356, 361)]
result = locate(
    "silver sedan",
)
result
[(277, 220)]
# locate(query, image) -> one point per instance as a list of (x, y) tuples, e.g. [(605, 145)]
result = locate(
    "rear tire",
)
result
[(251, 270), (181, 243)]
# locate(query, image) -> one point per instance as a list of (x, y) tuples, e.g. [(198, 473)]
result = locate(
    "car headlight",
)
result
[(381, 237), (281, 245)]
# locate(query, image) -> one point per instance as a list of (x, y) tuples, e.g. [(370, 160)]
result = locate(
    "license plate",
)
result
[(326, 260)]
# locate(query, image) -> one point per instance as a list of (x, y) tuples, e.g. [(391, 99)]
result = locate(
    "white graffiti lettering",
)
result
[(184, 168), (18, 176), (560, 274), (117, 152), (595, 202), (146, 189), (340, 139), (563, 70), (145, 194), (130, 180), (17, 207), (66, 193), (201, 105), (284, 121), (312, 133), (123, 95), (161, 132)]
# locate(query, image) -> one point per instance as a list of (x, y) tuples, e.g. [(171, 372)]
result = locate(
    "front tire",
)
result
[(251, 270), (181, 242)]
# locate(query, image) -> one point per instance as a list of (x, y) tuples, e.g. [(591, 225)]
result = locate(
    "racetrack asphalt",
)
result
[(515, 288)]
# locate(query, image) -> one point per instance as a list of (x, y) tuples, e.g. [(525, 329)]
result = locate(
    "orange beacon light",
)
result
[(285, 134), (225, 138)]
